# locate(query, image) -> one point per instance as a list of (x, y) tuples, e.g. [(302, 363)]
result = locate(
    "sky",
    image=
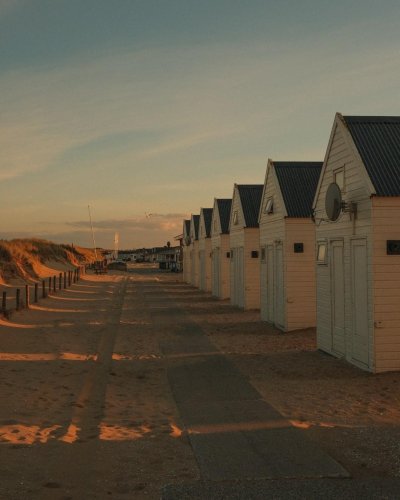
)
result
[(158, 106)]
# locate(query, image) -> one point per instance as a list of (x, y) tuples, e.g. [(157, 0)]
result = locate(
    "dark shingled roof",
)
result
[(196, 220), (298, 181), (224, 209), (187, 226), (377, 139), (250, 197), (207, 214)]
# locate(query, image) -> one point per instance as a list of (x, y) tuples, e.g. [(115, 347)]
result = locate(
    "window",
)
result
[(269, 206), (339, 178), (321, 252), (235, 218)]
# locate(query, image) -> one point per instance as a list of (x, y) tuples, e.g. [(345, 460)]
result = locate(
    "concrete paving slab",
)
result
[(273, 453), (328, 489), (211, 378), (239, 414)]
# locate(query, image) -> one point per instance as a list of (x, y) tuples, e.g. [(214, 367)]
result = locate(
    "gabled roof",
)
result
[(377, 139), (207, 216), (250, 198), (196, 220), (298, 181), (186, 224), (224, 209)]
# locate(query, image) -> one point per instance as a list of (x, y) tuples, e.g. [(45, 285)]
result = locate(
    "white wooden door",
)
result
[(337, 296), (240, 277), (270, 283), (279, 305), (216, 287), (192, 268), (263, 285), (202, 280), (359, 314)]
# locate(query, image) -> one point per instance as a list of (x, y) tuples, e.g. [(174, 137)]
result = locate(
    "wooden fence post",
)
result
[(65, 280), (18, 299), (54, 283), (4, 304), (36, 297), (43, 289), (60, 281), (27, 297), (49, 285)]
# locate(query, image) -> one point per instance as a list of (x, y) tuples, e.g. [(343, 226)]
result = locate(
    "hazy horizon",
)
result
[(158, 107)]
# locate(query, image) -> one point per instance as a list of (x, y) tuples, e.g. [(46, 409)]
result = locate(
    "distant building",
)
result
[(186, 240), (245, 246), (220, 248), (205, 249), (194, 250)]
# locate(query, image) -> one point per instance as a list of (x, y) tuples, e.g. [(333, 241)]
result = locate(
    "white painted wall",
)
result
[(341, 153)]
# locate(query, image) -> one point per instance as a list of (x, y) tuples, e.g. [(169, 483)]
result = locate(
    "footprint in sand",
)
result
[(52, 484)]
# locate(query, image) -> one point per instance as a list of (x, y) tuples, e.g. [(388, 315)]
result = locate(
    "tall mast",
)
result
[(91, 226), (116, 245)]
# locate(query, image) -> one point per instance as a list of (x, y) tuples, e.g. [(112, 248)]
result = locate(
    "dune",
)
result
[(28, 260)]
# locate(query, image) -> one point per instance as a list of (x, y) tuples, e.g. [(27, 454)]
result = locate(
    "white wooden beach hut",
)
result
[(245, 246), (205, 249), (287, 241), (186, 250), (357, 215), (194, 250), (220, 248)]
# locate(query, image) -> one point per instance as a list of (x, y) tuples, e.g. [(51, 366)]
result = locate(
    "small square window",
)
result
[(321, 252), (269, 207)]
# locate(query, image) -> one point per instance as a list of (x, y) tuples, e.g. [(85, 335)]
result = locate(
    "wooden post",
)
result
[(54, 283), (69, 278), (65, 279), (4, 304), (44, 289), (36, 292), (60, 281), (49, 285), (18, 299), (27, 297)]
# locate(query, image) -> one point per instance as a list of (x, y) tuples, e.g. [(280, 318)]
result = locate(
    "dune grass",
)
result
[(23, 258)]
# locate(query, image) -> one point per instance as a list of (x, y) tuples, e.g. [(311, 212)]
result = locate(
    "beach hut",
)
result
[(194, 250), (205, 249), (244, 239), (220, 248), (287, 245), (357, 216), (186, 251)]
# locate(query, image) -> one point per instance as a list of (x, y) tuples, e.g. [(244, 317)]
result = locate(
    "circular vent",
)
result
[(333, 201)]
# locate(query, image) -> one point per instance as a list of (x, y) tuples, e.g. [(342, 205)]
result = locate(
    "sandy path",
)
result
[(87, 409)]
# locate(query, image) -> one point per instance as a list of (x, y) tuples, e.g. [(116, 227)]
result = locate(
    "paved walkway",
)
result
[(234, 433)]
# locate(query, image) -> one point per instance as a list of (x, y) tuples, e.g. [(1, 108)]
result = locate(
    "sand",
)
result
[(87, 410)]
